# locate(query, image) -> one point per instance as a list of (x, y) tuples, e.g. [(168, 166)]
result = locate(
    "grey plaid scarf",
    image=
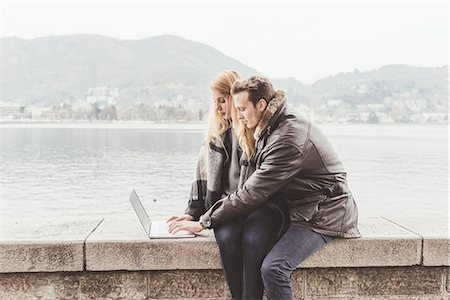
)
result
[(207, 186)]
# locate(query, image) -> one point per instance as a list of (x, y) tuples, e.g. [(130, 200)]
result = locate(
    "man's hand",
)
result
[(191, 226), (180, 218)]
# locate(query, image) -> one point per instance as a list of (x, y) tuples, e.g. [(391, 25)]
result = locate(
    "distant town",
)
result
[(165, 78), (102, 104)]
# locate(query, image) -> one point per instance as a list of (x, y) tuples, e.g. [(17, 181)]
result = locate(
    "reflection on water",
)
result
[(81, 171)]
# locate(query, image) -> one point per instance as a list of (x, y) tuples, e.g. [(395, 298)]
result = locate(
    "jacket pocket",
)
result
[(306, 209), (332, 212)]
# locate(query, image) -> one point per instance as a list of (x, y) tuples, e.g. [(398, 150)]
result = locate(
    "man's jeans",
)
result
[(296, 245), (243, 244)]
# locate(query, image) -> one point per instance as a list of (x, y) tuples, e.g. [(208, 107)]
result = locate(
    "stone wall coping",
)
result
[(435, 232), (41, 256), (121, 244)]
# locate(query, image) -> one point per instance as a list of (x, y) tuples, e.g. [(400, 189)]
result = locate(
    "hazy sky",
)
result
[(307, 40)]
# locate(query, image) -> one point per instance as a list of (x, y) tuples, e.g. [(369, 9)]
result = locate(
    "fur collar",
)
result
[(272, 107)]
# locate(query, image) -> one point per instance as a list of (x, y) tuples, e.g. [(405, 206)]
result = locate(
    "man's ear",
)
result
[(262, 104)]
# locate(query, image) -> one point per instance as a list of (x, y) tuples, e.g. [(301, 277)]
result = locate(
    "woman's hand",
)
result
[(180, 218), (191, 226)]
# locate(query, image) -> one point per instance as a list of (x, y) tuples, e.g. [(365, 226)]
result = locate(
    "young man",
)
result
[(294, 163)]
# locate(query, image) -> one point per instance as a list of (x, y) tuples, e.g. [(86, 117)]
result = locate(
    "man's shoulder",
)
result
[(290, 131), (293, 125)]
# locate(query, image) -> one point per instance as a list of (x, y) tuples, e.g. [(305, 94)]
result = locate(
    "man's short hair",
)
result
[(257, 88)]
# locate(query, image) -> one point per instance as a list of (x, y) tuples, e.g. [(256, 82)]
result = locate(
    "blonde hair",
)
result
[(218, 125), (246, 140)]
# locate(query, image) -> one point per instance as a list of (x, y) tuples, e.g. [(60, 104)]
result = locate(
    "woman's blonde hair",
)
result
[(218, 125), (246, 140)]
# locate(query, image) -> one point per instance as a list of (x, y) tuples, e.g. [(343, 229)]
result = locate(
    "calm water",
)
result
[(67, 171)]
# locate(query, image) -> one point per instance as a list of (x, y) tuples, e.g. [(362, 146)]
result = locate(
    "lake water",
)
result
[(79, 170)]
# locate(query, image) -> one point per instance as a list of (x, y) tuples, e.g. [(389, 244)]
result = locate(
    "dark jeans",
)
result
[(296, 245), (243, 244)]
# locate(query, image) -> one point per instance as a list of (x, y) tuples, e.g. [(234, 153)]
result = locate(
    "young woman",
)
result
[(243, 243)]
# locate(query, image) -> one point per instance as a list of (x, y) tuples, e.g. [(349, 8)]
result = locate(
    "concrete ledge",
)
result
[(152, 255), (117, 244), (127, 247), (436, 252), (435, 232), (44, 245), (41, 256), (384, 244), (114, 259), (48, 229)]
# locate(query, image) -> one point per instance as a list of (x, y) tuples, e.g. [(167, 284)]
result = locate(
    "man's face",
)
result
[(246, 112)]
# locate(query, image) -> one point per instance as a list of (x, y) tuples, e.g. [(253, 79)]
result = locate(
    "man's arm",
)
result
[(279, 164)]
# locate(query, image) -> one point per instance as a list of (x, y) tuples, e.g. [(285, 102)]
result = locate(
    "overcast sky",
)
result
[(307, 40)]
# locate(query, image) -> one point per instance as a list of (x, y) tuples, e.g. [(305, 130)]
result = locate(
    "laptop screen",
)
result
[(140, 211)]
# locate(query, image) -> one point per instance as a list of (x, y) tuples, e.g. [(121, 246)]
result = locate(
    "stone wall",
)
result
[(416, 282), (114, 259)]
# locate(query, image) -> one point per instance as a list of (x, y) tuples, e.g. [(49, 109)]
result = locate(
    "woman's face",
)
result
[(221, 104)]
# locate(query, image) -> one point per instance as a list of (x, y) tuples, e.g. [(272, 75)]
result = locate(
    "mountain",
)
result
[(295, 90), (63, 68), (388, 82), (55, 69)]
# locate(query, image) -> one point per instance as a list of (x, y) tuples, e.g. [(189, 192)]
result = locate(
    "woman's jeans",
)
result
[(243, 244), (296, 245)]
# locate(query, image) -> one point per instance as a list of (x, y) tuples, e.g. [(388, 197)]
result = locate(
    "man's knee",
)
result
[(268, 269), (273, 271)]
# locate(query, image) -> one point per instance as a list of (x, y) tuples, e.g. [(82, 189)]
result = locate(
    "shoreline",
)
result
[(175, 125), (198, 126)]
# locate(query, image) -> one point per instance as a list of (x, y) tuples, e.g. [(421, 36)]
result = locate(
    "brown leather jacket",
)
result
[(294, 163)]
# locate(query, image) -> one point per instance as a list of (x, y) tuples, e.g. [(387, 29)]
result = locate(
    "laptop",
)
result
[(155, 229)]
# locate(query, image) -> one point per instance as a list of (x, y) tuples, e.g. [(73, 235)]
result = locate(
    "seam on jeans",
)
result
[(290, 253)]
